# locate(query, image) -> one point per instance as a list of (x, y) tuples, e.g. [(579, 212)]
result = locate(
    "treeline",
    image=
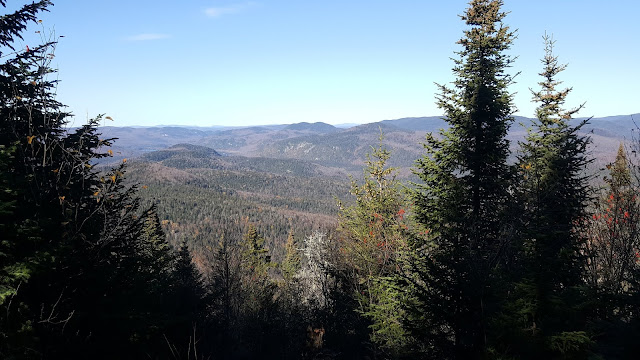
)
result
[(480, 259)]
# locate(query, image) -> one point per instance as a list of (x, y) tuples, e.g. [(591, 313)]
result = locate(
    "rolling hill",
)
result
[(334, 149)]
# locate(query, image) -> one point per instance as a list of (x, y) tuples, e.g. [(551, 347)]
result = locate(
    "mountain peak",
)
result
[(319, 127)]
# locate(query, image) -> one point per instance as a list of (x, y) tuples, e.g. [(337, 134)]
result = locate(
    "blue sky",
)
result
[(213, 62)]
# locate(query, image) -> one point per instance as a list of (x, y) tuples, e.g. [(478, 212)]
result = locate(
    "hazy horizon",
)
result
[(106, 123)]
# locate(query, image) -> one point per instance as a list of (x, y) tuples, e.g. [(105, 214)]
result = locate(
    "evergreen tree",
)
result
[(189, 286), (21, 120), (188, 304), (554, 193), (464, 196), (224, 284), (188, 277), (373, 233), (256, 261), (225, 279), (291, 263), (291, 318), (258, 306), (80, 276), (153, 240), (35, 166)]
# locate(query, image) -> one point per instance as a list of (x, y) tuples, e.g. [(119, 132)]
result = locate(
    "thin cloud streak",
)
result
[(215, 12), (147, 37)]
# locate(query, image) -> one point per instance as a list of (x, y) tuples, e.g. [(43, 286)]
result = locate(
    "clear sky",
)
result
[(215, 62)]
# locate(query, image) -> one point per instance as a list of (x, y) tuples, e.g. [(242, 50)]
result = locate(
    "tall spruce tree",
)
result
[(554, 193), (464, 195)]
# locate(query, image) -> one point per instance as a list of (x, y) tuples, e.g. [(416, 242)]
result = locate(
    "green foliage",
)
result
[(373, 233), (14, 273), (189, 302), (84, 268), (12, 25), (291, 263), (572, 345), (30, 193), (257, 308), (464, 197), (201, 205), (549, 298), (224, 287), (387, 317), (255, 257), (293, 315)]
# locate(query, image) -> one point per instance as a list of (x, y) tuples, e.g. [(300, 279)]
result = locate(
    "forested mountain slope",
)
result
[(223, 195)]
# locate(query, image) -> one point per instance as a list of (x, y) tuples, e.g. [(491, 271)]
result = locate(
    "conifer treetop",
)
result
[(551, 100)]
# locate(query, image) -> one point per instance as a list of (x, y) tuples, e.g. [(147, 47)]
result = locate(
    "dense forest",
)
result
[(490, 253)]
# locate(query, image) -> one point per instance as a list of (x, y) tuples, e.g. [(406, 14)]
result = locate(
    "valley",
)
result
[(210, 183)]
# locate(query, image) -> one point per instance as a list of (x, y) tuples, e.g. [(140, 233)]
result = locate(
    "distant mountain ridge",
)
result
[(426, 123), (318, 127), (326, 145)]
